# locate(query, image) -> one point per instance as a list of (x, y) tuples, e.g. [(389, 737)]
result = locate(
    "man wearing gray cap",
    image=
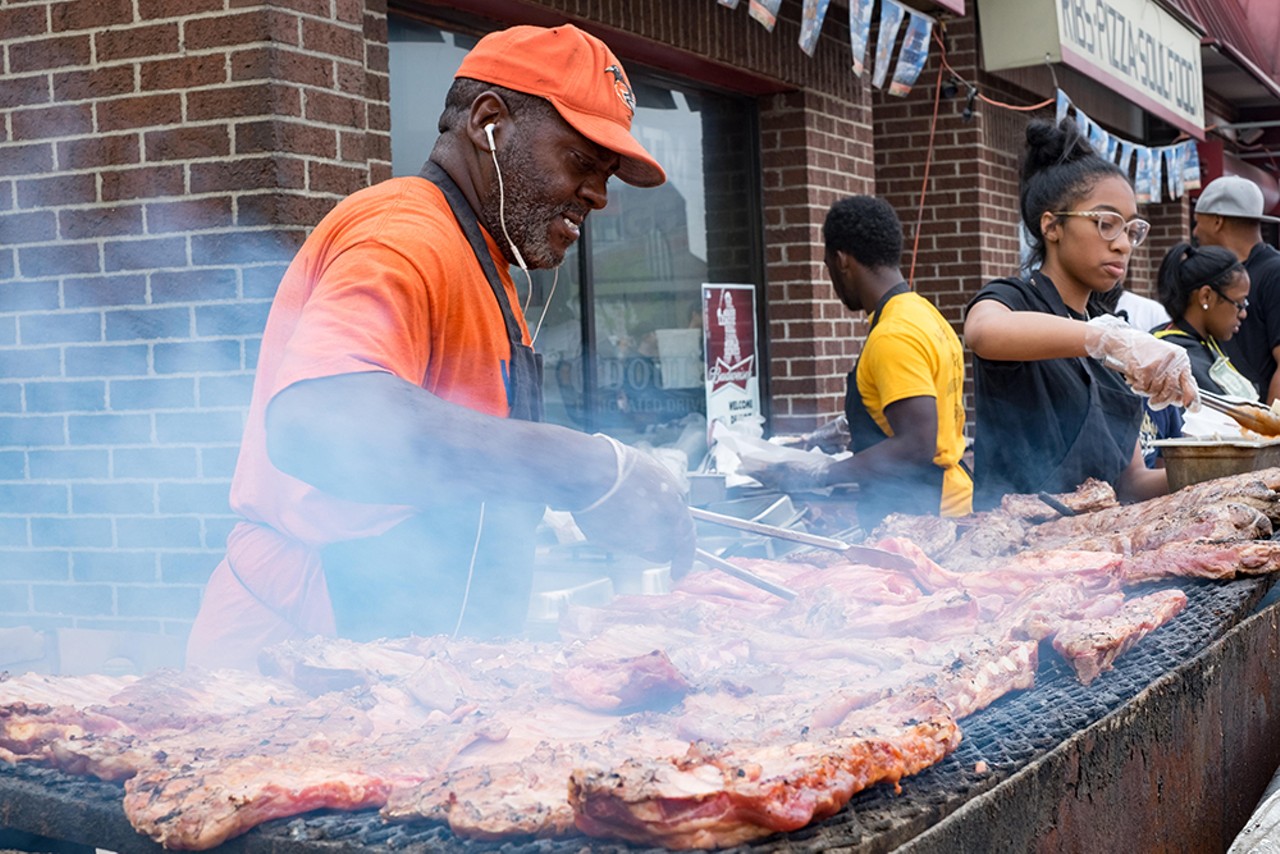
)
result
[(1229, 214)]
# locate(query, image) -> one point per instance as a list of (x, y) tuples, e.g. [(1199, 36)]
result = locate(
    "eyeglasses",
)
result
[(1240, 306), (1110, 224)]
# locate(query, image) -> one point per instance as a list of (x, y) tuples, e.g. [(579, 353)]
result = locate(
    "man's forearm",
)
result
[(376, 438)]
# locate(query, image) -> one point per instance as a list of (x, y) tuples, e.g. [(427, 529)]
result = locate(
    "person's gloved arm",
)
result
[(1155, 368), (831, 437), (801, 474), (643, 512)]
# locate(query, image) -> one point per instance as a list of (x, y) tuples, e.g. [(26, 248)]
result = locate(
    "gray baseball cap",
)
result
[(1231, 195)]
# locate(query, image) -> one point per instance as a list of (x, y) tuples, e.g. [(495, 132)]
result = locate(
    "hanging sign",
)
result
[(733, 375), (1132, 47)]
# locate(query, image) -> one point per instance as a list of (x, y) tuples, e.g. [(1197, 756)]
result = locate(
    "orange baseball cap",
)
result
[(580, 76)]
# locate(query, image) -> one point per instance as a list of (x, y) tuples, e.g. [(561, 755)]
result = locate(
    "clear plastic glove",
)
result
[(643, 513), (831, 437), (1154, 368), (802, 473)]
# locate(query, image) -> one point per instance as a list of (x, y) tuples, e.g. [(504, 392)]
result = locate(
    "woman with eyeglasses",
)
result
[(1051, 364), (1205, 290)]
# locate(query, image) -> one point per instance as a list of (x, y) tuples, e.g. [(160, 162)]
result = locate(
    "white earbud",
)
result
[(502, 201)]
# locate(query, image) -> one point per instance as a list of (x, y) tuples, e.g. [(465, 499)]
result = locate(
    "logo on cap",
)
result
[(622, 88)]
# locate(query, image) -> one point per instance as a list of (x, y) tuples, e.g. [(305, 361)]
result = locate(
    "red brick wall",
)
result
[(161, 163), (815, 149)]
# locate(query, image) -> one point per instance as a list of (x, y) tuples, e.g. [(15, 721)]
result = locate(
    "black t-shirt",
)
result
[(1251, 349), (1031, 414)]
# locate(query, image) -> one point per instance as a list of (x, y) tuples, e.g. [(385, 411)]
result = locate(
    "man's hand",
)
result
[(830, 438), (643, 513), (792, 475)]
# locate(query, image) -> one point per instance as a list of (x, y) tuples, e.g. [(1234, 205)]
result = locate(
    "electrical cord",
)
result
[(471, 568)]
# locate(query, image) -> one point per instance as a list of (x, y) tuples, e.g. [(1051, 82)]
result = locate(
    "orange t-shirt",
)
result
[(386, 282)]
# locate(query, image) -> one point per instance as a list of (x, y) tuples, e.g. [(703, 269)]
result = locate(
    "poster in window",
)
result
[(765, 11), (729, 329), (859, 32), (891, 15), (815, 12)]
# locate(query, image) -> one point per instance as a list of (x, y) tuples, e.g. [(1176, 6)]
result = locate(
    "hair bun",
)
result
[(1050, 145)]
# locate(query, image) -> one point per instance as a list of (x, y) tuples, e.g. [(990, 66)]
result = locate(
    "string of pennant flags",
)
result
[(911, 56), (1158, 172)]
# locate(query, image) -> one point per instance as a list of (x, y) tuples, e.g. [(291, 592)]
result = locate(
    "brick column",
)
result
[(162, 162), (815, 149)]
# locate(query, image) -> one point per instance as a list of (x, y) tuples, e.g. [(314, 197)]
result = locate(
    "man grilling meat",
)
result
[(903, 402), (393, 466)]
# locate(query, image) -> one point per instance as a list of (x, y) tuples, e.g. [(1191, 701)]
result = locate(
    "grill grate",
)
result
[(1006, 736)]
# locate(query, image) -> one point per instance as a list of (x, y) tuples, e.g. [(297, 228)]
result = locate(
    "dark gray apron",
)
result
[(413, 578), (1089, 450), (917, 492)]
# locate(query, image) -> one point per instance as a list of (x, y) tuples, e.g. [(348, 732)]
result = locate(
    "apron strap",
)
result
[(524, 375), (863, 430)]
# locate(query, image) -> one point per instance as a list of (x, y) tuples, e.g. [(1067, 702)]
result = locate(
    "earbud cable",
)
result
[(502, 220)]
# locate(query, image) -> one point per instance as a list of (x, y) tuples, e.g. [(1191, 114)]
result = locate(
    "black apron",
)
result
[(917, 492), (1012, 454), (414, 578), (1106, 407)]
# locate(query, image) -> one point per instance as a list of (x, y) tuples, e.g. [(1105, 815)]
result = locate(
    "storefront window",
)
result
[(619, 326)]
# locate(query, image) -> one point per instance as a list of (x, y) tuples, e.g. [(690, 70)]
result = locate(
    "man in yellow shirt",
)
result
[(904, 402)]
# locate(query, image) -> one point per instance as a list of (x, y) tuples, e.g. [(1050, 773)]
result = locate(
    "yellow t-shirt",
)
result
[(914, 352)]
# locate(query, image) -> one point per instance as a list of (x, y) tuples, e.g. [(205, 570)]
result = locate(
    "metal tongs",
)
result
[(853, 553), (1247, 413)]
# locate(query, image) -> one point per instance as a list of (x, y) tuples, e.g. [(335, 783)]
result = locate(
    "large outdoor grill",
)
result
[(1169, 751)]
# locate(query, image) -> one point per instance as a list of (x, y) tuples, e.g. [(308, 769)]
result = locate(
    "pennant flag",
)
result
[(1142, 179), (1157, 175), (1098, 139), (1113, 146), (891, 15), (859, 32), (1060, 112), (765, 11), (1126, 156), (815, 12), (1190, 165), (915, 50), (1084, 123)]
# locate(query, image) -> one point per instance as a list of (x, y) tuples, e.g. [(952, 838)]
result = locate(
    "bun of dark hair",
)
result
[(1052, 145)]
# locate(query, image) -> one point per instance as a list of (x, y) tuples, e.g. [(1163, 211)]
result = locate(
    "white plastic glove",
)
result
[(644, 512), (831, 437), (1154, 368), (805, 472)]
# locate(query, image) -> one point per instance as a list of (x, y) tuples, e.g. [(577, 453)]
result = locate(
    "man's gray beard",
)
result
[(527, 220)]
